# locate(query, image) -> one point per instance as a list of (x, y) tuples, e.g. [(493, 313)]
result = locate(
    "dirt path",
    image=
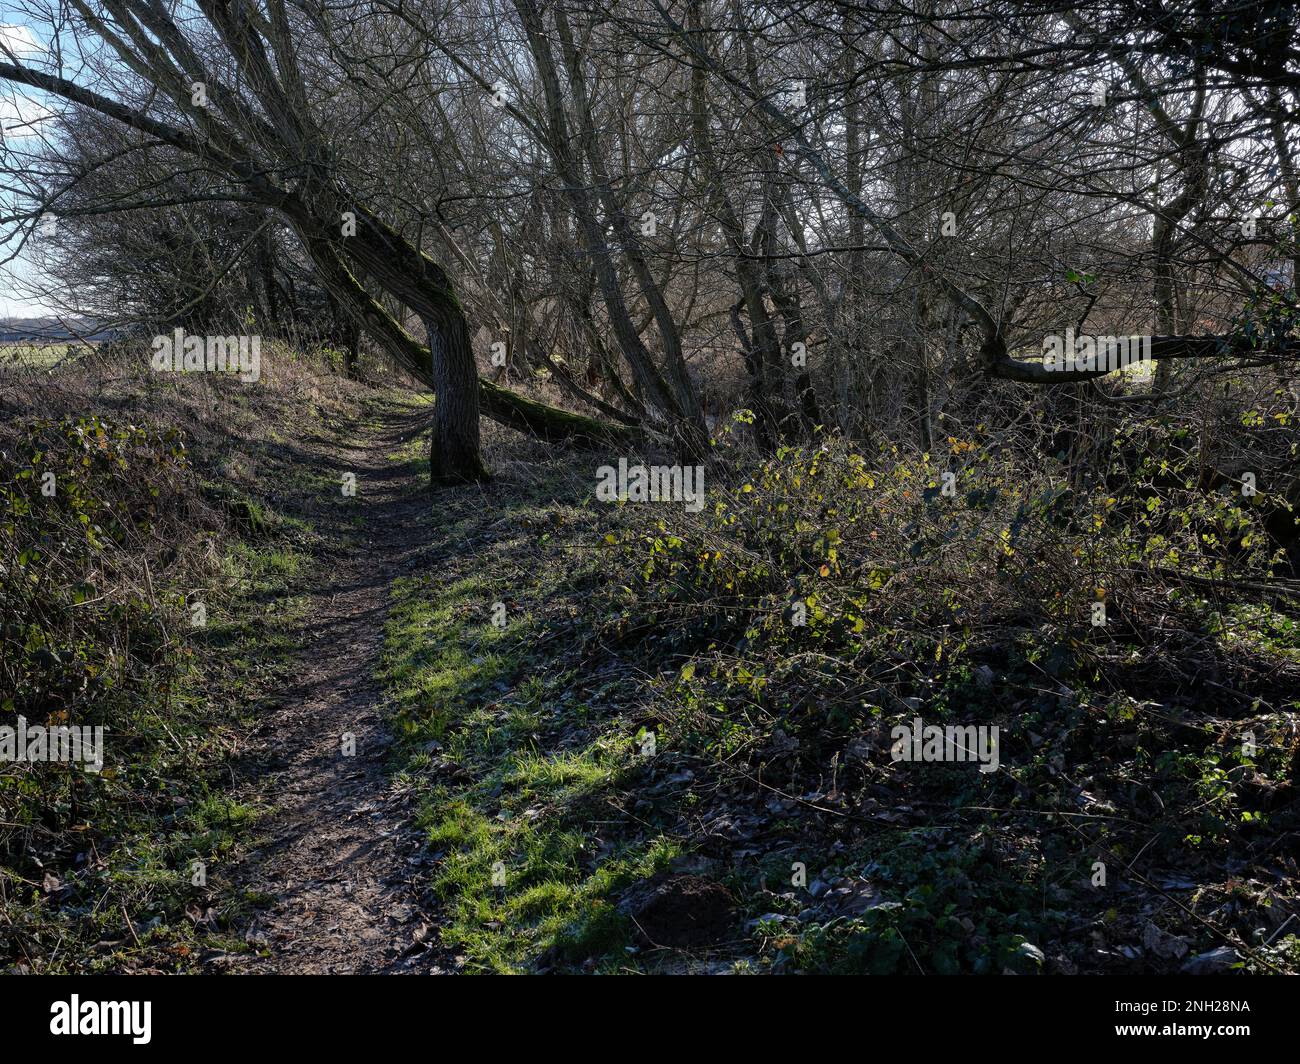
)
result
[(340, 866)]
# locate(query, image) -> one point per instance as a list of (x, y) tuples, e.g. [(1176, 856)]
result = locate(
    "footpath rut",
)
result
[(339, 871)]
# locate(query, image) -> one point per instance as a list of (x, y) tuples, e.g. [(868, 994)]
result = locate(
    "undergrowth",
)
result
[(149, 592), (676, 753)]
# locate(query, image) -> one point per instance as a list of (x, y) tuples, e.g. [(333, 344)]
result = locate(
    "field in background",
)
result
[(38, 355)]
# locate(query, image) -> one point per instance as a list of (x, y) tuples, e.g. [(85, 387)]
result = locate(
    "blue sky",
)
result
[(25, 40)]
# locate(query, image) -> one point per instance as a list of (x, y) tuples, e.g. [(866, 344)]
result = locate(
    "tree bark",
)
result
[(454, 454)]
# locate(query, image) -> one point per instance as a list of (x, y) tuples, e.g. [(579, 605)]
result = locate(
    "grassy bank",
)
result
[(151, 585), (676, 753)]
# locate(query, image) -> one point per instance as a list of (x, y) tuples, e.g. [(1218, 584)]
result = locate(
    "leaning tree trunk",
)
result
[(352, 359), (454, 454)]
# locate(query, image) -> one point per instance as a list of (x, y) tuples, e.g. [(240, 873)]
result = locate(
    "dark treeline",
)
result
[(849, 217)]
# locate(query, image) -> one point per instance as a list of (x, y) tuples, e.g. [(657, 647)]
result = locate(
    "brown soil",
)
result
[(339, 867)]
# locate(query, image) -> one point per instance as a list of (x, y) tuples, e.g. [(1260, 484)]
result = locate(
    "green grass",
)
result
[(428, 667), (524, 881), (158, 814), (38, 356), (412, 458), (250, 640)]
